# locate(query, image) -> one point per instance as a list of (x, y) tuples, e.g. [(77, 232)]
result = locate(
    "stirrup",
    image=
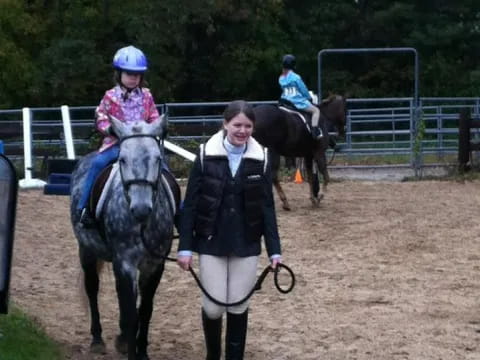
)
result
[(86, 219), (317, 133)]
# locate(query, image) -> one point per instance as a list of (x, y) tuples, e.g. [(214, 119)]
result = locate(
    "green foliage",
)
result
[(65, 65), (17, 28), (56, 52), (23, 339)]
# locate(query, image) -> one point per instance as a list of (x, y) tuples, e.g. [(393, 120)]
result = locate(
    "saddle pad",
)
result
[(103, 195), (296, 113), (171, 196), (169, 182)]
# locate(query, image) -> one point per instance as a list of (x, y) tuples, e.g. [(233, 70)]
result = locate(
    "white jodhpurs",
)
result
[(227, 279), (315, 114)]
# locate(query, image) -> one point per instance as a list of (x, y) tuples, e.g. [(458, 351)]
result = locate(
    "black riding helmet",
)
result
[(288, 62)]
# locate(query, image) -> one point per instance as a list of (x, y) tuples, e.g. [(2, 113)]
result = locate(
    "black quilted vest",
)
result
[(217, 185)]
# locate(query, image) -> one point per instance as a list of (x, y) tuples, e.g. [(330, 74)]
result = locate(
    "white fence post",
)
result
[(178, 150), (28, 181), (67, 130)]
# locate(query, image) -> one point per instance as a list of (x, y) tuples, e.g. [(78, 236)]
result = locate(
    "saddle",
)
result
[(306, 117), (97, 189), (102, 183), (289, 107)]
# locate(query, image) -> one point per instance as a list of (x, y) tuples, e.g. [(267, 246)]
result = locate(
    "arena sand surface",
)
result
[(385, 270)]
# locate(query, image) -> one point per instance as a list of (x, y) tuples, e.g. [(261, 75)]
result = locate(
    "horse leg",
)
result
[(91, 283), (312, 182), (125, 281), (275, 165), (290, 162), (281, 194), (148, 284), (322, 167)]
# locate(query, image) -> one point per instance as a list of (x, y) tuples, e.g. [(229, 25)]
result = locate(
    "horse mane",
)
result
[(329, 99)]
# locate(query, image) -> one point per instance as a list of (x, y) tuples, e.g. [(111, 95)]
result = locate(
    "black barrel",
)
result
[(8, 206)]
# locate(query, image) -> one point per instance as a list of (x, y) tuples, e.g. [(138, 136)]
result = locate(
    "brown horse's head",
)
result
[(334, 108)]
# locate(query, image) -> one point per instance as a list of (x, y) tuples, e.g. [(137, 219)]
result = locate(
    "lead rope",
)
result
[(257, 286)]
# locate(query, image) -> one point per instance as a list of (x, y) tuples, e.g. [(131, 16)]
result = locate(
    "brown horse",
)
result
[(285, 134)]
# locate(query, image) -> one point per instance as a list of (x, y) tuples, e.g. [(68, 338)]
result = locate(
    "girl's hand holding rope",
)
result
[(275, 261), (184, 261)]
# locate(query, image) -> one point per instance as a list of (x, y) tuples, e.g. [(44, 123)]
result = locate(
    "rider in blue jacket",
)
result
[(296, 92)]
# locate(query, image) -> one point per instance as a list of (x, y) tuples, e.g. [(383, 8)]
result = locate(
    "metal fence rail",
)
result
[(375, 126)]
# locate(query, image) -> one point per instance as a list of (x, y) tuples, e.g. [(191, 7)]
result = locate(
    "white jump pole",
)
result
[(28, 181), (178, 150), (67, 130)]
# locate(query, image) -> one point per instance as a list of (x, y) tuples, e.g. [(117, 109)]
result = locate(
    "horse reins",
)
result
[(334, 150), (257, 286), (127, 183), (333, 157)]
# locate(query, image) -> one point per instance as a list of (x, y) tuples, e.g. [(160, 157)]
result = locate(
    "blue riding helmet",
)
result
[(130, 59), (289, 61)]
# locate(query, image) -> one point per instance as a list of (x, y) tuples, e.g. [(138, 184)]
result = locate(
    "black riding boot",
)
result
[(317, 133), (236, 335), (212, 329)]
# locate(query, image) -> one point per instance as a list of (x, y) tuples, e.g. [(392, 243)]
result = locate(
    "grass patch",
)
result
[(21, 338)]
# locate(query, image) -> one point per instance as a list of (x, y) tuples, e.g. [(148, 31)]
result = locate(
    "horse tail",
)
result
[(82, 293)]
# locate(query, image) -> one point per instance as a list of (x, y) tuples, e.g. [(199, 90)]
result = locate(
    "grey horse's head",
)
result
[(140, 161)]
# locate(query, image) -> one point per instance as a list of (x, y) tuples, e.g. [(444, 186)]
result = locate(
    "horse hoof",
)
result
[(121, 345), (316, 201), (98, 347)]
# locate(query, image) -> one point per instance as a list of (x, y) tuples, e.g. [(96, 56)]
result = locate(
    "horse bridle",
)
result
[(138, 135), (127, 183)]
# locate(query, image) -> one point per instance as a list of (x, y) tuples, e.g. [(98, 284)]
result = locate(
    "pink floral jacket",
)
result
[(138, 105)]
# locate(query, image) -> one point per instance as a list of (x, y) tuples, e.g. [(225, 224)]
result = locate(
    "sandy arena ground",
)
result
[(385, 270)]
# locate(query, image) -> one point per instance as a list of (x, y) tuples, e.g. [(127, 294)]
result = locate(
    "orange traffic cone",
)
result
[(298, 177)]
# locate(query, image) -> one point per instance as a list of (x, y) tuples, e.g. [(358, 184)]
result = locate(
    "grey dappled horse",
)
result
[(134, 233)]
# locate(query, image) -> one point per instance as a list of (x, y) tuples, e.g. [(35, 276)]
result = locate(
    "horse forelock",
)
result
[(139, 140), (137, 129), (140, 155)]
